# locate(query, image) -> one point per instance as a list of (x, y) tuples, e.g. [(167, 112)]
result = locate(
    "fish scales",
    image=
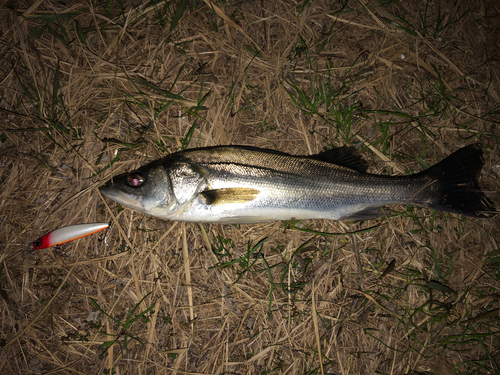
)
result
[(237, 184), (294, 187)]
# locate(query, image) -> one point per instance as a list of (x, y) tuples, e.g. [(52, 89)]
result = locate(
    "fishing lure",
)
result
[(67, 234)]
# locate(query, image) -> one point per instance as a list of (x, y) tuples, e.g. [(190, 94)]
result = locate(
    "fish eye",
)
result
[(135, 180), (37, 243)]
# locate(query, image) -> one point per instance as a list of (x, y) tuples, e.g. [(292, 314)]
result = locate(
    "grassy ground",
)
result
[(90, 90)]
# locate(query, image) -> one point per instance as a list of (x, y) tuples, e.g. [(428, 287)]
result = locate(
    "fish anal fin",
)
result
[(344, 156), (365, 214), (229, 195)]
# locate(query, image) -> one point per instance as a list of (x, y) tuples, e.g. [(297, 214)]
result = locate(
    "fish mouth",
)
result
[(121, 197), (107, 190)]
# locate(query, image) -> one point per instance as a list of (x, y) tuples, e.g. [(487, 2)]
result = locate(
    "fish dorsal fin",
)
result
[(268, 150), (229, 195), (344, 156)]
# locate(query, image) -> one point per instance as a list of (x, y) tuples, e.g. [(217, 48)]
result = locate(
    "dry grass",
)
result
[(90, 90)]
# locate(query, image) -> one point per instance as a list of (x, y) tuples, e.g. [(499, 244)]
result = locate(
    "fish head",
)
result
[(147, 189)]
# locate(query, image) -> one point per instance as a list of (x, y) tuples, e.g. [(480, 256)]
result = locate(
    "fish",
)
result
[(246, 185), (67, 234)]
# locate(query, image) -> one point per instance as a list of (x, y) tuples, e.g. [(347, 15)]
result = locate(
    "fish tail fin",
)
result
[(456, 181)]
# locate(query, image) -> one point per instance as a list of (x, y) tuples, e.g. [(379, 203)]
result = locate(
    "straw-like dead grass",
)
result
[(90, 90)]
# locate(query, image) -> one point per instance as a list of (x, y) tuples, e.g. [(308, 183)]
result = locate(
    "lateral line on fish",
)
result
[(418, 191)]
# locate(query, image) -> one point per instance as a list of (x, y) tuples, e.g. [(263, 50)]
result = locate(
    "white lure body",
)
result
[(67, 234)]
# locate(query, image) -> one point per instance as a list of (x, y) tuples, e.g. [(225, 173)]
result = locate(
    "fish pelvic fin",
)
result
[(456, 179), (229, 195)]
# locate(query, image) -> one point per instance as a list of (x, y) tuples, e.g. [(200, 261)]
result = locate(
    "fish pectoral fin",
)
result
[(365, 214), (229, 195)]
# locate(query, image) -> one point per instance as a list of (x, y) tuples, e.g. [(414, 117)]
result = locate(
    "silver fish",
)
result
[(241, 185)]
